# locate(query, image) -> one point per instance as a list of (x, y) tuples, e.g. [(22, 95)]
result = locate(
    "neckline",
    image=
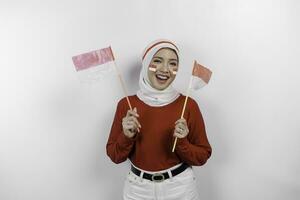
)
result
[(157, 107)]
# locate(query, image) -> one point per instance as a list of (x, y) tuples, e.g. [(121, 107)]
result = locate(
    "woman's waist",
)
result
[(154, 165)]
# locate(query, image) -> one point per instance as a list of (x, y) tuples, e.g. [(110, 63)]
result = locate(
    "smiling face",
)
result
[(163, 68)]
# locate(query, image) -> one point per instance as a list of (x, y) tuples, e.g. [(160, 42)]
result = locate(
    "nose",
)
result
[(165, 67)]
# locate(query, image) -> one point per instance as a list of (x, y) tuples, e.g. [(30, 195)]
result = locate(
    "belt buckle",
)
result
[(158, 175)]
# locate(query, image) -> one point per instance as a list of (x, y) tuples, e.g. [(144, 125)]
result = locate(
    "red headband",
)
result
[(157, 44)]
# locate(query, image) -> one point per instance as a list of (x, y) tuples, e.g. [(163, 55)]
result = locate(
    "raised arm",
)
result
[(194, 149), (118, 145)]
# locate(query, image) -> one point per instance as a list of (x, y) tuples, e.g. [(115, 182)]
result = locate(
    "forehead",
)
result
[(166, 53)]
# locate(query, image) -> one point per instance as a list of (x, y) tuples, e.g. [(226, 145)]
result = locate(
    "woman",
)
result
[(146, 134)]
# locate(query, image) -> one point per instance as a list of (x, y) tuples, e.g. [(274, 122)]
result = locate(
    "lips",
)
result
[(162, 78)]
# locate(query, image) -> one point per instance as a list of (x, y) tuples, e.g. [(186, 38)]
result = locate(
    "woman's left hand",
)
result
[(181, 128)]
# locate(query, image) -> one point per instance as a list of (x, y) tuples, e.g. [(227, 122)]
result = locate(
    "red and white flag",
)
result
[(93, 58), (201, 76), (88, 64)]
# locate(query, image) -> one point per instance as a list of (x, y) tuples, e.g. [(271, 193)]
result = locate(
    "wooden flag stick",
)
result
[(123, 85), (184, 105), (120, 78)]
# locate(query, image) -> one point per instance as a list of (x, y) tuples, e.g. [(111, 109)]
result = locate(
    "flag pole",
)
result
[(123, 85), (122, 82), (120, 78), (184, 106)]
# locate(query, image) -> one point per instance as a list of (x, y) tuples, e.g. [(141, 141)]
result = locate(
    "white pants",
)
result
[(180, 187)]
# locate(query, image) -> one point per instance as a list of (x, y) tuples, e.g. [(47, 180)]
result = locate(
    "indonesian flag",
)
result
[(88, 64), (201, 76)]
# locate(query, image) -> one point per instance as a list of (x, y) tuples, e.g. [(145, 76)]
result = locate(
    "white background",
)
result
[(54, 129)]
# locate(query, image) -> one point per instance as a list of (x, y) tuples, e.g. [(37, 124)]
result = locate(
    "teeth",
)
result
[(162, 77)]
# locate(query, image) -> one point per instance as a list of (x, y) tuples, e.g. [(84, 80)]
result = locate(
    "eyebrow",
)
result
[(163, 58)]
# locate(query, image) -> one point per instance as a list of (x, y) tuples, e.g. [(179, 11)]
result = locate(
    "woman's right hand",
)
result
[(130, 123)]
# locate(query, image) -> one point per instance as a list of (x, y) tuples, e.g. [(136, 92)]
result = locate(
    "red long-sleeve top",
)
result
[(151, 149)]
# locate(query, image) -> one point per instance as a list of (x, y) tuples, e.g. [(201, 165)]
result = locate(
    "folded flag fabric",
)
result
[(92, 65), (93, 58), (201, 76)]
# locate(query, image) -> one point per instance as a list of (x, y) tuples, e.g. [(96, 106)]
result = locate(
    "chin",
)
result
[(161, 87)]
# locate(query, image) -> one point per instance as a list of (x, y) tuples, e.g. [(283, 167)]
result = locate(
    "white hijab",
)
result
[(147, 93)]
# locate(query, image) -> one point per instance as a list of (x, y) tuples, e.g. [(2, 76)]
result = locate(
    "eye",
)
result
[(157, 61), (173, 63)]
